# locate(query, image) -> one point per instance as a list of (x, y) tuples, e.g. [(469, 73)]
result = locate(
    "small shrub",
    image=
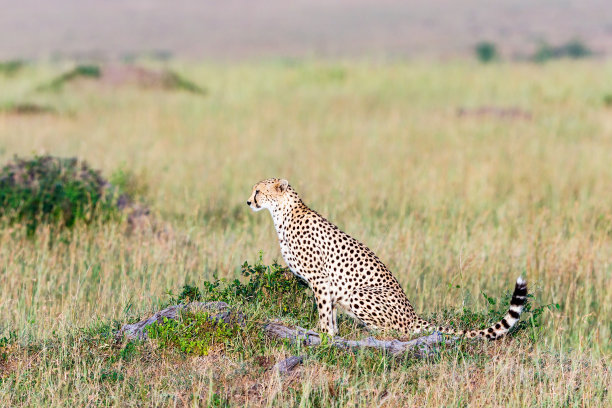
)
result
[(272, 287), (573, 49), (607, 99), (576, 49), (189, 294), (47, 189), (268, 281), (486, 51), (11, 67), (192, 333)]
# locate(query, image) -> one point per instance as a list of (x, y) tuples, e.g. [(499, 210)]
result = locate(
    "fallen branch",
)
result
[(288, 364), (422, 346)]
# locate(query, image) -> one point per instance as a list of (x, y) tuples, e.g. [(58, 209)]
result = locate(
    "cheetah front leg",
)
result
[(325, 307)]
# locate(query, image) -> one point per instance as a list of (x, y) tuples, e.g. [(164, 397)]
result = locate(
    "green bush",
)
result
[(576, 49), (11, 67), (190, 293), (572, 49), (47, 189), (271, 287), (486, 51)]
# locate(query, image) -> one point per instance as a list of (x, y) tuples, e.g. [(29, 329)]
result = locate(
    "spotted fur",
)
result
[(344, 273)]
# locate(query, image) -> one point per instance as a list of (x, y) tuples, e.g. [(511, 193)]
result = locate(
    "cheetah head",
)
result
[(267, 194)]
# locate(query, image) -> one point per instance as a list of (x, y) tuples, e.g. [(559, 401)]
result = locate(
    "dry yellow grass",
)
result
[(379, 149)]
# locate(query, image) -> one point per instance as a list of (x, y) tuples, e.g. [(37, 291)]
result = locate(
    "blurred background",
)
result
[(239, 29)]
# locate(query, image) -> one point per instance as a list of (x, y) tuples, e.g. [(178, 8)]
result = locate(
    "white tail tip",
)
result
[(520, 281)]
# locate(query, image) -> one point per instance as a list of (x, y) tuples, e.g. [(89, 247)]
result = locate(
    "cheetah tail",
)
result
[(499, 329)]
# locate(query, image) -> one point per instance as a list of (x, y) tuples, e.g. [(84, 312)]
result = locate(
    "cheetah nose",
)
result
[(248, 203)]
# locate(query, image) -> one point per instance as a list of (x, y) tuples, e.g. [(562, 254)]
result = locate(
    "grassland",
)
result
[(454, 205)]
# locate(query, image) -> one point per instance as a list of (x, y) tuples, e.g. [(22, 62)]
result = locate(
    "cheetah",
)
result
[(345, 274)]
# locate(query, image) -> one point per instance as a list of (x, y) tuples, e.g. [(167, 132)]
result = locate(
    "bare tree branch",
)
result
[(422, 346), (288, 364)]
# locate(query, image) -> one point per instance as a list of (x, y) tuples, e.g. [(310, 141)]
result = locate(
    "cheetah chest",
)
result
[(291, 256), (300, 253)]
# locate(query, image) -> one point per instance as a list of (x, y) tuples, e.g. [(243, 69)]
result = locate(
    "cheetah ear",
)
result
[(282, 185)]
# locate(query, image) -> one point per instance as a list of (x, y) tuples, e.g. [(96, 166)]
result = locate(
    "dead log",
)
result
[(421, 346), (287, 365)]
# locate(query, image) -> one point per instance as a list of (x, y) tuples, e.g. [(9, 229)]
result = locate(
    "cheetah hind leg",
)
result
[(334, 318), (381, 308)]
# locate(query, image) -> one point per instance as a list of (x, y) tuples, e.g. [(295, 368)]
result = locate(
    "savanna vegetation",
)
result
[(456, 205)]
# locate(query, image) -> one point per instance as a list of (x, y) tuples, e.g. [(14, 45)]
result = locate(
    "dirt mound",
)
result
[(144, 77), (120, 75)]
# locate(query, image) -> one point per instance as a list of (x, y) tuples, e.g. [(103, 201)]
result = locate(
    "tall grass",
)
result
[(455, 206)]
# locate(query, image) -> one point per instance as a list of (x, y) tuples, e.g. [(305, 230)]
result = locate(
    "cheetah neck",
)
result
[(283, 212)]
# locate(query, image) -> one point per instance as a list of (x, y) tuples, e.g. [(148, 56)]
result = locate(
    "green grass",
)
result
[(455, 206)]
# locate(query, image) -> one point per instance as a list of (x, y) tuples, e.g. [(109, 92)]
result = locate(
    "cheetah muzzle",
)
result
[(344, 273)]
